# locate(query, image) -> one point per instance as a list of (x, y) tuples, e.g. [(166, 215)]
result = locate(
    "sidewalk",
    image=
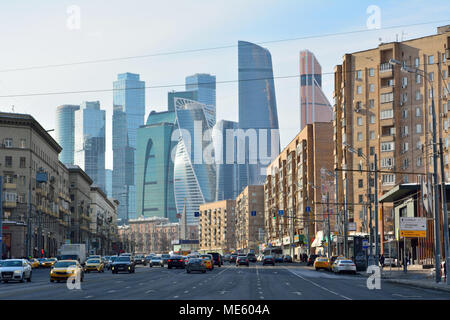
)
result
[(415, 277)]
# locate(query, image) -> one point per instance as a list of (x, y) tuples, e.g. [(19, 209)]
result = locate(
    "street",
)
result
[(257, 282)]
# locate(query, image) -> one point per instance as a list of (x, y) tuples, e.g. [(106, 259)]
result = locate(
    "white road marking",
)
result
[(150, 291), (287, 283), (297, 293), (111, 291), (186, 291), (193, 287), (400, 295), (175, 297), (223, 291), (318, 285), (261, 297), (87, 297)]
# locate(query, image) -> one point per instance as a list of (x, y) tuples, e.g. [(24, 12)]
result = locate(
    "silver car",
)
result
[(15, 270), (156, 261)]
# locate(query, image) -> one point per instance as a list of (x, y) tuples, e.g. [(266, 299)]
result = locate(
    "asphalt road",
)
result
[(283, 281)]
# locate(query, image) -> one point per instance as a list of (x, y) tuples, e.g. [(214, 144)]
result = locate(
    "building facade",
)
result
[(128, 116), (257, 112), (205, 86), (378, 109), (314, 105), (216, 226), (297, 183), (249, 219), (90, 141), (65, 131)]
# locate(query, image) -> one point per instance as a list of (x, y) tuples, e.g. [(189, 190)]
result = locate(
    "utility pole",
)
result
[(337, 209), (444, 210), (345, 217), (377, 249), (328, 233)]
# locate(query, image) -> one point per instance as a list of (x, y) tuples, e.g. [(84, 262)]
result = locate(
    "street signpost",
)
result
[(280, 212), (365, 243), (411, 227)]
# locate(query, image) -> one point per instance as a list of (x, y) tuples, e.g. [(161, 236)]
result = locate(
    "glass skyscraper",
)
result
[(128, 116), (191, 95), (90, 141), (257, 110), (154, 167), (108, 179), (194, 175), (205, 85), (65, 131)]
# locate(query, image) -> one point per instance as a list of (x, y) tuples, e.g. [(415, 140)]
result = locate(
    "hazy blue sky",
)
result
[(35, 33)]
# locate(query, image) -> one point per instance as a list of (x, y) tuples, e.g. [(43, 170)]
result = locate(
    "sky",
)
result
[(41, 33)]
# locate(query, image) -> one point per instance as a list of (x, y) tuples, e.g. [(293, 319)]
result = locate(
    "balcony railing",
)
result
[(386, 67)]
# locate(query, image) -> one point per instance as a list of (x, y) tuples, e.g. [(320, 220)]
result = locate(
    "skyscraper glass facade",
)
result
[(65, 131), (129, 113), (194, 175), (205, 85), (154, 167), (257, 110), (90, 141), (191, 95)]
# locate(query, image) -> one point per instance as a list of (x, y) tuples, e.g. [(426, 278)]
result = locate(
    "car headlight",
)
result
[(17, 271)]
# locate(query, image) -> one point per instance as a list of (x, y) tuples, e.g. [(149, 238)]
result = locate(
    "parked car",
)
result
[(175, 262), (15, 270), (217, 258), (156, 261), (165, 257), (242, 260), (311, 259), (287, 258), (94, 265), (321, 263), (195, 264), (64, 269), (123, 263), (233, 258), (342, 265), (251, 257), (268, 260)]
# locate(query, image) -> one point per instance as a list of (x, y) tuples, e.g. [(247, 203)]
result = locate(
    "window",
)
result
[(10, 196), (359, 89), (7, 142), (372, 135), (418, 78), (371, 87), (22, 180), (416, 62), (386, 97), (372, 118), (23, 143), (419, 161), (371, 103), (359, 74), (430, 59), (360, 198), (372, 151), (387, 146), (405, 114), (22, 162), (431, 76), (386, 114), (430, 93), (8, 178), (444, 58), (404, 131), (388, 179), (359, 121), (360, 136), (8, 161), (405, 163), (444, 74), (418, 95), (418, 111), (445, 125), (371, 72), (405, 147), (404, 82), (360, 183), (387, 162), (404, 97), (419, 145)]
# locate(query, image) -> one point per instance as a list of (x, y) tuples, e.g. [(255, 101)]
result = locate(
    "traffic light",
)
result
[(274, 216)]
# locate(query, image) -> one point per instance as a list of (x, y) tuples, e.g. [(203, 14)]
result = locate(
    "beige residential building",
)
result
[(379, 109), (35, 214), (216, 226), (249, 219), (297, 183)]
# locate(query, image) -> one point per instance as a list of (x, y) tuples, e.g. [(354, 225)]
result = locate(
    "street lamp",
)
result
[(422, 73)]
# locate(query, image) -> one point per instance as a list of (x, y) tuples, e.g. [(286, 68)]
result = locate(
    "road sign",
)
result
[(41, 177), (280, 212), (411, 227), (307, 209), (253, 213), (196, 214), (365, 243), (352, 226)]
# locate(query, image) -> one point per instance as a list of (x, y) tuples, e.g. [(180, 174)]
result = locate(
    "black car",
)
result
[(233, 258), (217, 257), (165, 258), (242, 260), (311, 259), (125, 264), (195, 264), (268, 260), (140, 259), (251, 257), (175, 262)]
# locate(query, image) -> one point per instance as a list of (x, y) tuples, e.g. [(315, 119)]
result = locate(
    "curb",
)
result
[(419, 285)]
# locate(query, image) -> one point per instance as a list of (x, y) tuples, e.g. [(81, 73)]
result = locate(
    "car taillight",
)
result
[(170, 260), (180, 260)]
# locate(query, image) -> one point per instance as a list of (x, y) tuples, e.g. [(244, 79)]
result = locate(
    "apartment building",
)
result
[(381, 109), (249, 219), (297, 184), (216, 226)]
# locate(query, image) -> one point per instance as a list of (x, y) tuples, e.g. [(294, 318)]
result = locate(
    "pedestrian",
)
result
[(382, 260), (445, 269)]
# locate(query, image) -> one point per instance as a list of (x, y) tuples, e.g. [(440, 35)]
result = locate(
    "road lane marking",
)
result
[(261, 297), (297, 293), (400, 295), (175, 297), (149, 291), (186, 291), (223, 291), (111, 291), (318, 285)]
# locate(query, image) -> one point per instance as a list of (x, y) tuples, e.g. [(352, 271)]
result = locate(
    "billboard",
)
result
[(413, 227)]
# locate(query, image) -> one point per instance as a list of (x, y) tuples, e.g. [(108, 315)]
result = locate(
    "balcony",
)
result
[(9, 186), (9, 204), (386, 70)]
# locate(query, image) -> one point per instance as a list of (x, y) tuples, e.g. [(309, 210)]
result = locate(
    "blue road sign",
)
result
[(307, 209), (253, 213), (365, 244), (196, 214), (280, 212)]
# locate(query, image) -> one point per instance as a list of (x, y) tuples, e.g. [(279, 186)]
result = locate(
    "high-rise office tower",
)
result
[(194, 167), (65, 131), (154, 173), (205, 85), (314, 106), (108, 179), (129, 113), (90, 141), (190, 95), (257, 113)]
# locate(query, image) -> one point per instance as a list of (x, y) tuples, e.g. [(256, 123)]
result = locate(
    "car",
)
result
[(111, 259), (64, 269), (148, 258), (391, 261), (34, 263), (195, 264), (208, 261), (94, 265), (95, 256), (268, 260), (287, 258), (251, 257), (156, 261), (342, 265), (278, 259), (334, 259), (41, 260), (311, 259), (226, 257), (140, 259), (242, 260), (321, 263), (233, 258), (48, 263), (217, 258), (125, 254), (123, 263), (260, 258), (175, 261), (165, 258), (1, 261), (15, 270)]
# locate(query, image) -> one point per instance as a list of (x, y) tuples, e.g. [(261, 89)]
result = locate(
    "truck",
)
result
[(75, 251)]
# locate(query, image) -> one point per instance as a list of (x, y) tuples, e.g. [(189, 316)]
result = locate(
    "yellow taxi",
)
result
[(94, 265), (34, 263), (64, 269), (48, 263), (321, 263), (207, 261)]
